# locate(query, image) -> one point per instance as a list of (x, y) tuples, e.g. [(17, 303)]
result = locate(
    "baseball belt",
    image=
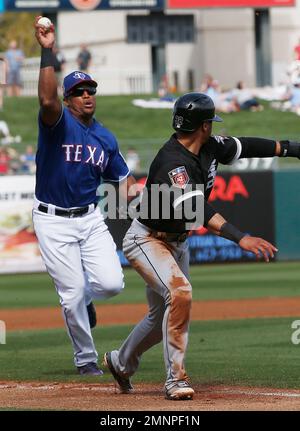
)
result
[(70, 213), (170, 236)]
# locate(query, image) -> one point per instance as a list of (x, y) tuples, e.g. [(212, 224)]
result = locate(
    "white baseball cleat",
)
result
[(180, 390)]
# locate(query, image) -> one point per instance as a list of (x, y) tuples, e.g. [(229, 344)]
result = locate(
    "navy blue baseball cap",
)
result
[(75, 78)]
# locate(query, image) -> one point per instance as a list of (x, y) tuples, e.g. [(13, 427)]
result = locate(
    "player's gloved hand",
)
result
[(290, 149), (258, 246)]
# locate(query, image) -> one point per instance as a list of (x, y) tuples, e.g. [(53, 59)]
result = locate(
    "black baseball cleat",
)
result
[(90, 369), (123, 382), (92, 315)]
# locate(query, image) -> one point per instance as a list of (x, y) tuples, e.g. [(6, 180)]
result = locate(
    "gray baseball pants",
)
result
[(164, 267)]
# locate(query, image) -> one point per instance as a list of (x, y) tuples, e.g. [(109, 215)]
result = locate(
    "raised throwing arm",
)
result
[(47, 89)]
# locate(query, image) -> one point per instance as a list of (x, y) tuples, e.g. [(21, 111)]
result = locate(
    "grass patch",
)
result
[(250, 352), (229, 281), (131, 124)]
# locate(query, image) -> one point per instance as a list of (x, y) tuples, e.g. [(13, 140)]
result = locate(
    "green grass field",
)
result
[(245, 352), (228, 281), (242, 352), (148, 129)]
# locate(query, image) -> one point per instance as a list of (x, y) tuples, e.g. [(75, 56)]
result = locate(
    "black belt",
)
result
[(70, 213), (170, 236)]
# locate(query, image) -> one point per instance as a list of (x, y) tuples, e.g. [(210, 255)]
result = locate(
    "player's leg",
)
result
[(100, 259), (154, 261), (145, 334), (59, 247)]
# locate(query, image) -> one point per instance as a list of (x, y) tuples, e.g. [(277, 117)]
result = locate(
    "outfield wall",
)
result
[(262, 203), (287, 214)]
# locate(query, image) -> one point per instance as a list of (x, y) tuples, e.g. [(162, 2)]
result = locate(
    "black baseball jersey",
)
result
[(175, 165)]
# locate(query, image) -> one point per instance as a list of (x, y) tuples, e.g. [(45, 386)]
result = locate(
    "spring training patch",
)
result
[(179, 177)]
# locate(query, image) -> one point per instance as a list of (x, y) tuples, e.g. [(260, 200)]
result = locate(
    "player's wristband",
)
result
[(290, 149), (231, 232), (47, 58)]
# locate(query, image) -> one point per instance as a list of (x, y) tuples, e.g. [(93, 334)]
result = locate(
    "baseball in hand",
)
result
[(45, 22)]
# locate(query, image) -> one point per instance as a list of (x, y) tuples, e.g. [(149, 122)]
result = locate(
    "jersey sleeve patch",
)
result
[(179, 177), (228, 149)]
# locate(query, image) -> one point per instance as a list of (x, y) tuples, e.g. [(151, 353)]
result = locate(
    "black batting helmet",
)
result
[(192, 109)]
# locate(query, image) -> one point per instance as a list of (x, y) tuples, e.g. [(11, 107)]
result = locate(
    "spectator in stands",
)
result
[(2, 80), (245, 99), (28, 161), (223, 100), (4, 161), (297, 51), (133, 160), (5, 136), (14, 161), (163, 90), (84, 58), (206, 83), (59, 65), (14, 58), (292, 99)]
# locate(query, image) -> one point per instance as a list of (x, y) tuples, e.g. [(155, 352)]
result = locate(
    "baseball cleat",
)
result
[(92, 315), (123, 382), (90, 369), (180, 390)]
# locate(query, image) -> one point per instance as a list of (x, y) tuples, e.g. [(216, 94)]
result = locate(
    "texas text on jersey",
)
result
[(73, 158)]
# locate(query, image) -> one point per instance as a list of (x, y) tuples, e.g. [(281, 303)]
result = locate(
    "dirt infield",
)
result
[(105, 397), (44, 318)]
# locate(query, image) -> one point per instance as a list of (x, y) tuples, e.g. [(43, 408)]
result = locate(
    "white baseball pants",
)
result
[(165, 267), (80, 256)]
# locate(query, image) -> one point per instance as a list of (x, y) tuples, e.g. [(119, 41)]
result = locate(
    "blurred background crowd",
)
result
[(158, 73)]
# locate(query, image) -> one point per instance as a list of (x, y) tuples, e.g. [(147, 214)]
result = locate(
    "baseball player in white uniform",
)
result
[(75, 153)]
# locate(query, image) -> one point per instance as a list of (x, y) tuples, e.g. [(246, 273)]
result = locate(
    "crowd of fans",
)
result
[(237, 99), (14, 59), (14, 163)]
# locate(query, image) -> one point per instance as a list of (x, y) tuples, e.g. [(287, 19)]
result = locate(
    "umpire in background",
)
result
[(157, 247)]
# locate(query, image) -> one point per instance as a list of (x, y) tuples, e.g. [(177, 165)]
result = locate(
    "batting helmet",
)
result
[(192, 109)]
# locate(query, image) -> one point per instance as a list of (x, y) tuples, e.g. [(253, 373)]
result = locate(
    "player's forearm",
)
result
[(127, 190), (260, 147), (49, 101), (219, 226), (47, 88), (257, 147)]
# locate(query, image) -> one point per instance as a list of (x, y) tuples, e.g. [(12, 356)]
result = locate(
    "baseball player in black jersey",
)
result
[(157, 247)]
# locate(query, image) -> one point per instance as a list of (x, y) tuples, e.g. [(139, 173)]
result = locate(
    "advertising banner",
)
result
[(19, 250), (81, 5), (246, 199), (184, 4)]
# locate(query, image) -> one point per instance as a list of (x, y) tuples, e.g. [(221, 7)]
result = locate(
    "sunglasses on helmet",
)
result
[(78, 91)]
